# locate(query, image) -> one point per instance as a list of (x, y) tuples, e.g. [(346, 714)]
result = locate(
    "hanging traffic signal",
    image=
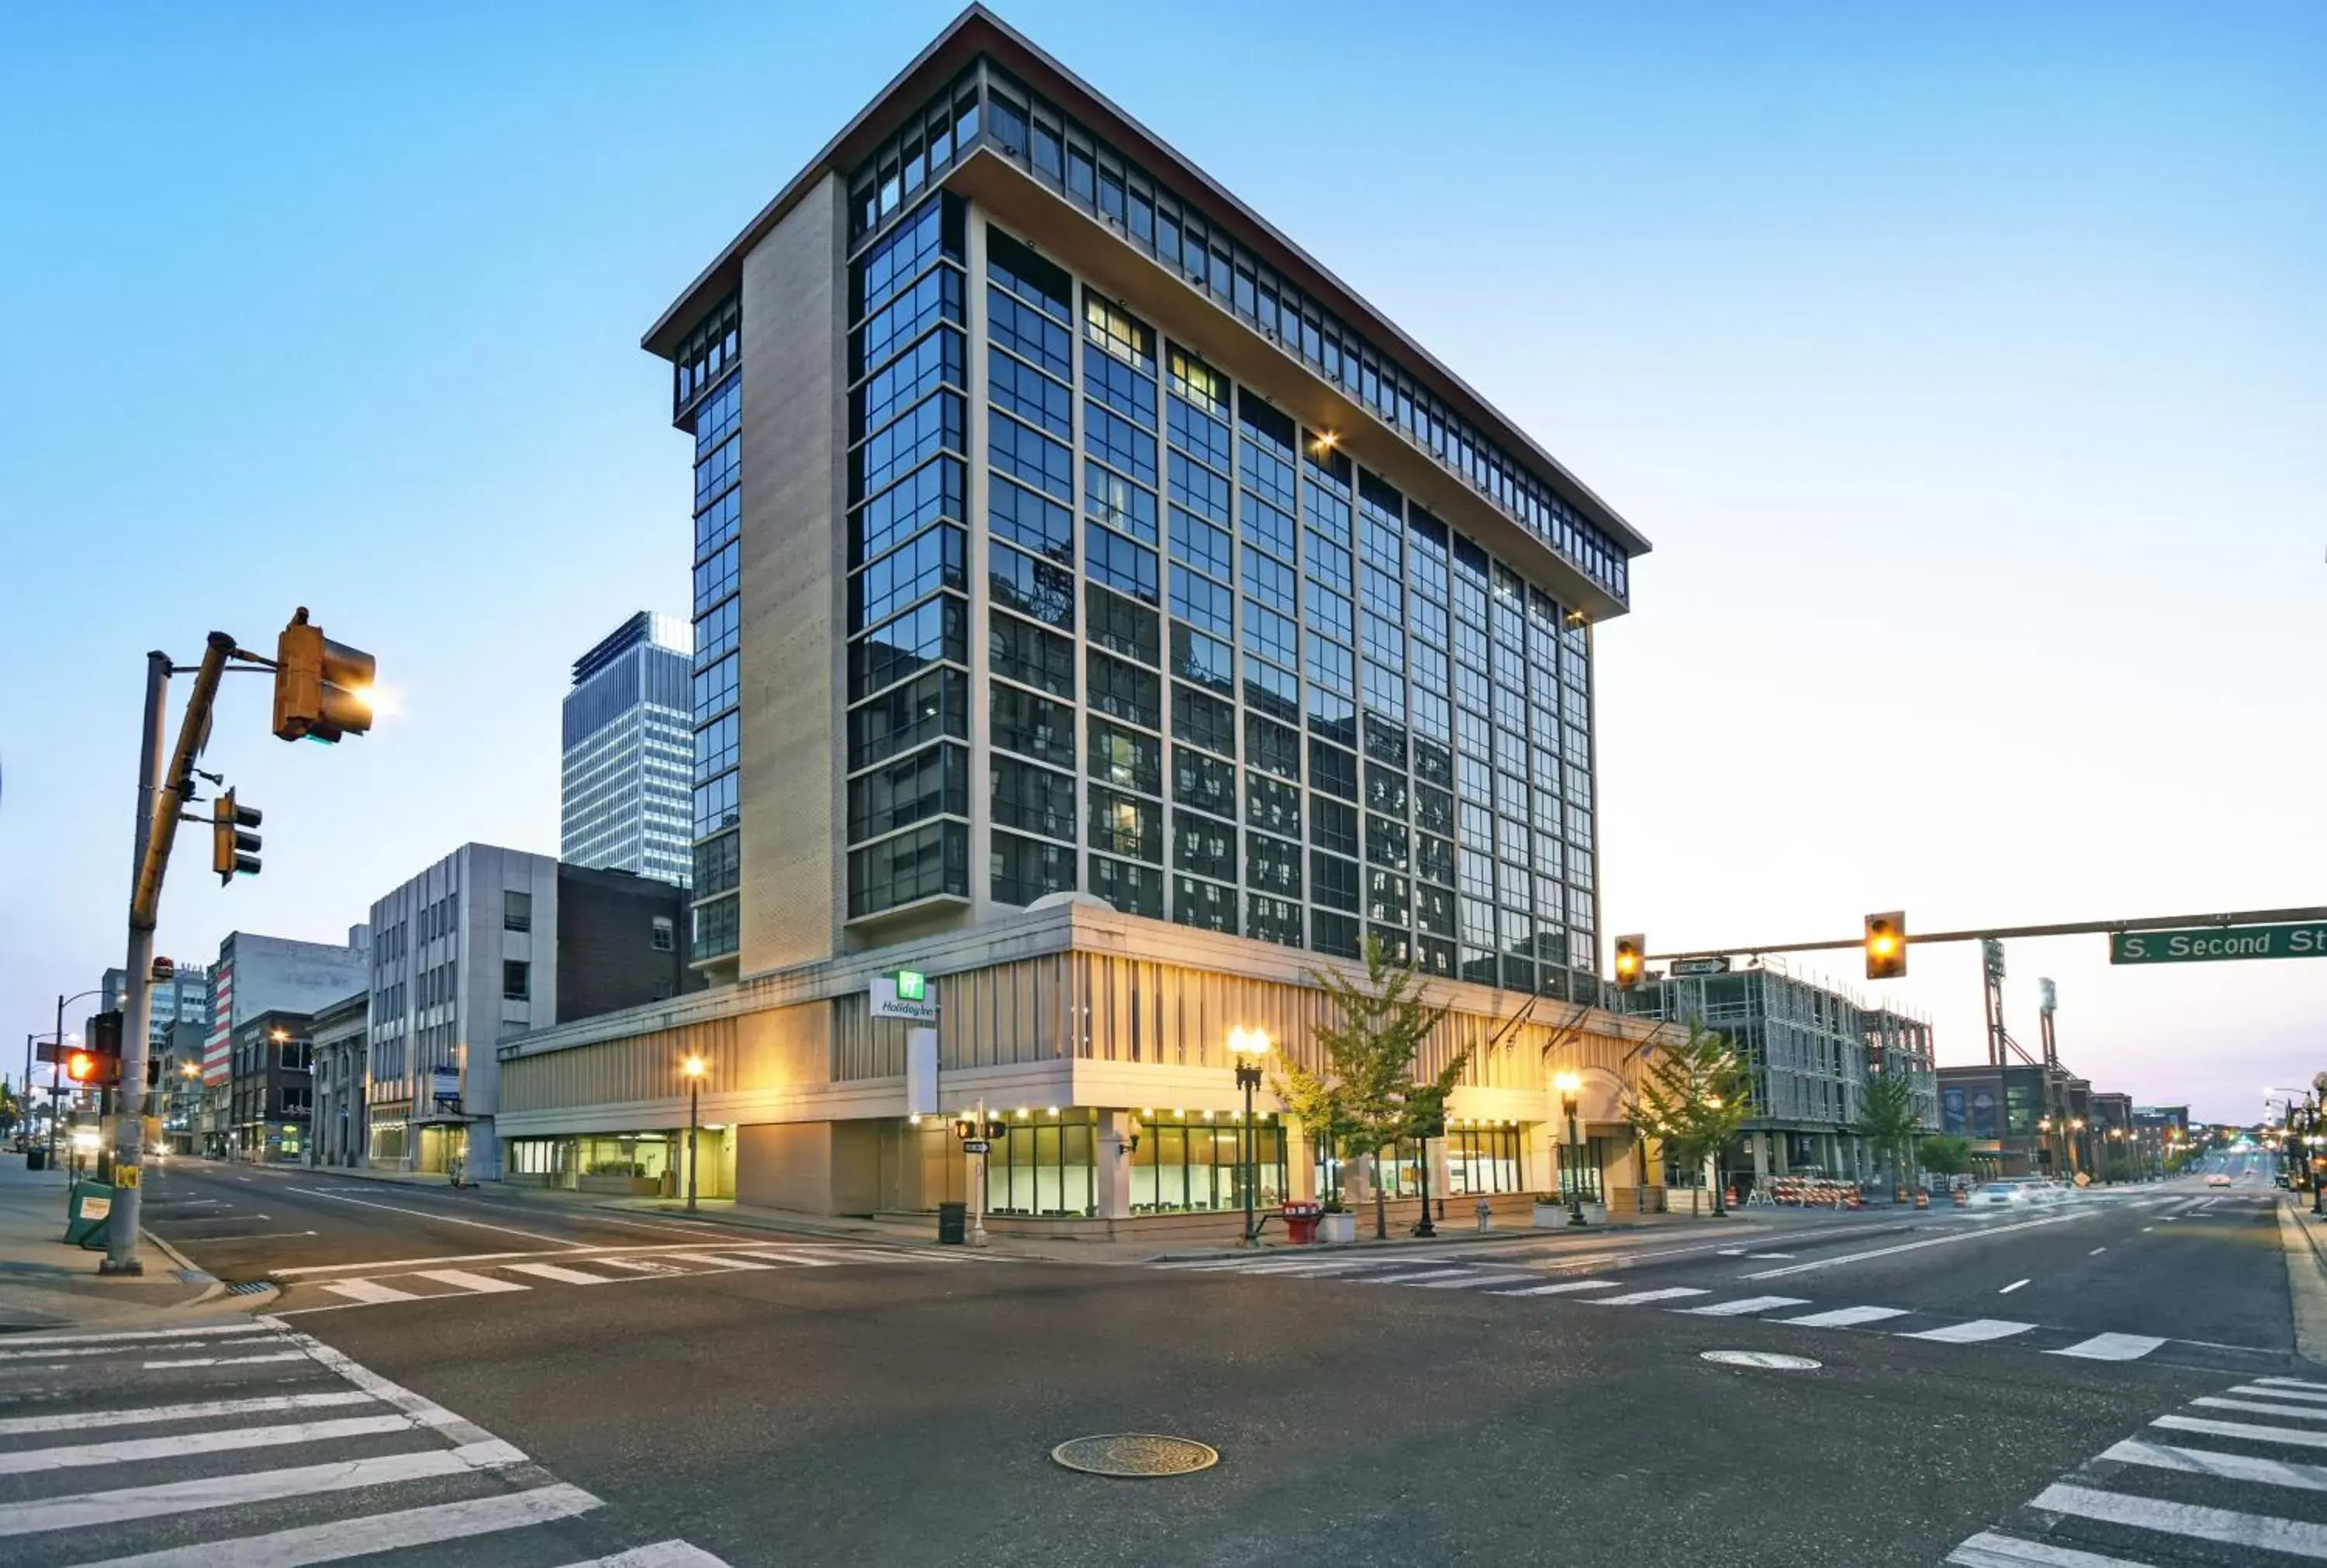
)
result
[(1886, 945), (998, 1128), (322, 689), (1631, 959), (81, 1066), (965, 1128), (233, 853)]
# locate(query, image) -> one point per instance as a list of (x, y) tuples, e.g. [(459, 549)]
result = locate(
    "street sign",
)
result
[(2208, 944), (975, 1145), (1682, 969)]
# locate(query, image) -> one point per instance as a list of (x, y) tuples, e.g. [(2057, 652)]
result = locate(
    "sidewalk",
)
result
[(922, 1232), (44, 1283)]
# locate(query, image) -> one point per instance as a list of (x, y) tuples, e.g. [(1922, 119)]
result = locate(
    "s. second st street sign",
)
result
[(2209, 944)]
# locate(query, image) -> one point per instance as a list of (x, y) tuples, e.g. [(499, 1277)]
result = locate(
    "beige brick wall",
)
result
[(795, 370)]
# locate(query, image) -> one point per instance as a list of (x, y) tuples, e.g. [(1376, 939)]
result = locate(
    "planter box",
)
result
[(1337, 1228)]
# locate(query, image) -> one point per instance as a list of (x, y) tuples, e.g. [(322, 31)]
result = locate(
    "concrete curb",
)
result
[(2306, 1289)]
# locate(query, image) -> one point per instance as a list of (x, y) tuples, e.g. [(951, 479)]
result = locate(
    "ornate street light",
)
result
[(1248, 1046), (1570, 1086), (693, 1069)]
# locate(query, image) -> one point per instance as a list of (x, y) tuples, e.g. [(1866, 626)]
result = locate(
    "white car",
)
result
[(2218, 1179), (2002, 1195)]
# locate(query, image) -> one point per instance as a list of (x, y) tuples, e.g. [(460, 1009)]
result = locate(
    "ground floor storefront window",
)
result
[(1485, 1160), (1043, 1165), (1579, 1170), (387, 1144), (627, 1162), (1196, 1166)]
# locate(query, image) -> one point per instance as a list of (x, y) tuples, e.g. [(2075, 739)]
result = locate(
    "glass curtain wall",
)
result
[(1044, 1166), (709, 397)]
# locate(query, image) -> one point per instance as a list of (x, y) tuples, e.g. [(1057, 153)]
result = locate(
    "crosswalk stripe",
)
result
[(154, 1415), (2236, 1467), (2292, 1382), (247, 1337), (661, 1555), (2110, 1347), (1635, 1298), (1748, 1304), (368, 1291), (1560, 1289), (70, 1456), (1989, 1550), (1973, 1332), (84, 1510), (1437, 1272), (122, 1336), (1846, 1317), (461, 1279), (224, 1360), (816, 1259), (1302, 1271), (372, 1533), (550, 1271), (2258, 1532), (2292, 1436), (2295, 1412), (1472, 1282), (714, 1260), (2257, 1388), (644, 1266)]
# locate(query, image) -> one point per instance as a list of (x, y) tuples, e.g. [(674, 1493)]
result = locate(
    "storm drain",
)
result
[(249, 1288), (1136, 1454)]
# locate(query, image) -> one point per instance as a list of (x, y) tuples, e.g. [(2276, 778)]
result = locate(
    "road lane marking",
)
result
[(1975, 1331), (1473, 1282), (368, 1290), (375, 1533), (1846, 1317), (1771, 1273), (2244, 1429), (126, 1451), (2297, 1412), (1634, 1298), (1560, 1289), (461, 1279), (1758, 1255), (246, 1337), (2255, 1532), (86, 1510), (2207, 1461), (2110, 1347), (2014, 1285), (2293, 1383), (550, 1271), (1399, 1279), (444, 1218), (1748, 1304), (2096, 1252), (123, 1335), (2256, 1389), (661, 1555), (1989, 1550), (226, 1361), (156, 1414)]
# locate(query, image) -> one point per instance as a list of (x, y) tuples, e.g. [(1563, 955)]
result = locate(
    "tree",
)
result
[(1695, 1097), (1944, 1156), (1367, 1098), (1888, 1121)]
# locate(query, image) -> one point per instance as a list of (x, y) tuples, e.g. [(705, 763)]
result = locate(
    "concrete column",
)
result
[(1300, 1160), (1761, 1154), (1113, 1178)]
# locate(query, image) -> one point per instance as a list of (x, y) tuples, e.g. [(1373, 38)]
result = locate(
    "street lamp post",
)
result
[(1570, 1086), (55, 1089), (1248, 1046), (693, 1067)]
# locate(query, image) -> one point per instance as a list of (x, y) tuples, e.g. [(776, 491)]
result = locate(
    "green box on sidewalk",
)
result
[(87, 1212)]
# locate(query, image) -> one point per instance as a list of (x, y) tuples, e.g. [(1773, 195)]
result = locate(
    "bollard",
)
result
[(1486, 1216)]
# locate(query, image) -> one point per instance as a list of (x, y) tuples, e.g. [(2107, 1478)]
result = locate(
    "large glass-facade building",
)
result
[(626, 769), (1073, 553)]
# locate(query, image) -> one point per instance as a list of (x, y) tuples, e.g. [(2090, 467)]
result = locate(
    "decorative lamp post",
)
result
[(1248, 1046), (693, 1069), (1570, 1086)]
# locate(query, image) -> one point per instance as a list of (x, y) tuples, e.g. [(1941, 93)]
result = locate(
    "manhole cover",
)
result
[(1769, 1359), (1135, 1454)]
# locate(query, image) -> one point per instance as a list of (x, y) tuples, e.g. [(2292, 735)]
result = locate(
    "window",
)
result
[(1272, 748), (1125, 757), (1025, 869), (1333, 880), (1272, 866), (1040, 728), (665, 934), (1116, 561), (1033, 799), (1122, 626), (1207, 905), (1333, 826), (1024, 517), (1202, 601), (1136, 890), (1206, 660), (930, 783), (1202, 845), (517, 911), (1203, 720), (929, 861), (1271, 805), (517, 980), (897, 721), (1030, 587), (1333, 770), (1123, 826), (1205, 783), (1125, 691), (1022, 652)]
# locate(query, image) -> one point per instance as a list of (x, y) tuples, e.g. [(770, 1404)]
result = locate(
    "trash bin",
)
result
[(953, 1223), (36, 1158), (1301, 1222)]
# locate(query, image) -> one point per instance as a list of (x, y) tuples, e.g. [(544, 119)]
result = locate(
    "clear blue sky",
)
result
[(1962, 361)]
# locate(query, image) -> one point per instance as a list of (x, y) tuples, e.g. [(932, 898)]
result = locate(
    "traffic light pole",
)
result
[(161, 796)]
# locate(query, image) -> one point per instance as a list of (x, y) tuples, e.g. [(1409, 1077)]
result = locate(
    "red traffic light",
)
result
[(80, 1067)]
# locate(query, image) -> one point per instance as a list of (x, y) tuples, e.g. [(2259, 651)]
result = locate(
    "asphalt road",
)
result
[(769, 1400)]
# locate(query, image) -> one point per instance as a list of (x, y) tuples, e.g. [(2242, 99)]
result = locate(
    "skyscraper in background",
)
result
[(629, 752)]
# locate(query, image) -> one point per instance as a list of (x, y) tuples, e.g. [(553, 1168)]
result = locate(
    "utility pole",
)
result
[(978, 1179)]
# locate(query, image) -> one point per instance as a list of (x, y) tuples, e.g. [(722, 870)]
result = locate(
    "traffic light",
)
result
[(965, 1128), (1632, 958), (232, 850), (81, 1066), (1886, 945), (322, 689), (998, 1128)]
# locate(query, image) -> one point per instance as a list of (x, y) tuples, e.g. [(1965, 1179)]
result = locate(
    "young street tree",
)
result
[(1695, 1097), (1945, 1156), (1367, 1098), (1887, 1121)]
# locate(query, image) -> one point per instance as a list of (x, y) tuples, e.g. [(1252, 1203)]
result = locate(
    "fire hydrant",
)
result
[(1486, 1216)]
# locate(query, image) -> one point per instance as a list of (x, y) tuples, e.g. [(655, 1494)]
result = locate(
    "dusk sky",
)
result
[(1962, 361)]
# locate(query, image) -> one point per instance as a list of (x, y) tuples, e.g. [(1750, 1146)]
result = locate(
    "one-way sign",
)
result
[(975, 1145), (1684, 967)]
